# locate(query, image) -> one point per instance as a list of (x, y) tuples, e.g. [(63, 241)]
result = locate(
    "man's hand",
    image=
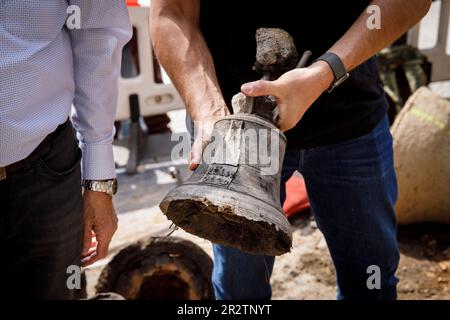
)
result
[(295, 91), (203, 128), (100, 220)]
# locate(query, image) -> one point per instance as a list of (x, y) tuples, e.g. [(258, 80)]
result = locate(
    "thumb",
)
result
[(260, 88)]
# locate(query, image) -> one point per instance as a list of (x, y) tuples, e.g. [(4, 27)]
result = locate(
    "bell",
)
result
[(232, 198)]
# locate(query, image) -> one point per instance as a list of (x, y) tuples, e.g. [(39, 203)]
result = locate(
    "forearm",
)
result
[(360, 43), (182, 51)]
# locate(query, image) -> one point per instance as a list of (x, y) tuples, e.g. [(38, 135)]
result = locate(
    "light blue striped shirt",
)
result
[(46, 66)]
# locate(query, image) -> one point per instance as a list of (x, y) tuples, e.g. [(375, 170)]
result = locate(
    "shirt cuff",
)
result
[(97, 162)]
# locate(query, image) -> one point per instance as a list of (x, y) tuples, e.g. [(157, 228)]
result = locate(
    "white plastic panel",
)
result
[(154, 98)]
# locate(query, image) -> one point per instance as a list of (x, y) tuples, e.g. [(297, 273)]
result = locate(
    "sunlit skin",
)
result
[(181, 49), (99, 220)]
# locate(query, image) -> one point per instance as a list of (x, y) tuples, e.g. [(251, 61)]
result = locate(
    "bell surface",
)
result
[(231, 199)]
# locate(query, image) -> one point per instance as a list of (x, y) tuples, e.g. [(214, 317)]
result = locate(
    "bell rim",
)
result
[(206, 195)]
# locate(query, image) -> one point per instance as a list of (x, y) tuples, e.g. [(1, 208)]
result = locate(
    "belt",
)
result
[(43, 148)]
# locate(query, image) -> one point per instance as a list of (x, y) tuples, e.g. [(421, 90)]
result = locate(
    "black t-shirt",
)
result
[(351, 110)]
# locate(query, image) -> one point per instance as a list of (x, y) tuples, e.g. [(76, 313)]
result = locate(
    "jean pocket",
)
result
[(61, 171)]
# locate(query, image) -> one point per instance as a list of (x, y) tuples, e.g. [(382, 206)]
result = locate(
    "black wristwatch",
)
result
[(338, 68)]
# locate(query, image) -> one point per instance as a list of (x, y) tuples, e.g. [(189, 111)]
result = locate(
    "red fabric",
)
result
[(296, 197), (133, 3)]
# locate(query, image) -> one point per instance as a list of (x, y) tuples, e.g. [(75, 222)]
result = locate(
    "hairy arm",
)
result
[(182, 51), (357, 45), (360, 43)]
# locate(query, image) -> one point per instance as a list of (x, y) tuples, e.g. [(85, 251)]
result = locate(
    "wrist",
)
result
[(325, 75), (107, 187), (340, 73)]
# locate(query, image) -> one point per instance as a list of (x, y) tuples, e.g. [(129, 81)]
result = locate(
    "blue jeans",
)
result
[(352, 190)]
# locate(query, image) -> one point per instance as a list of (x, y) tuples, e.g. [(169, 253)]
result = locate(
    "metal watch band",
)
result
[(338, 68), (109, 186)]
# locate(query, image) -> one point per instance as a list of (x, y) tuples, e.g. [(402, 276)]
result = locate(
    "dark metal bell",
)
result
[(236, 205), (232, 199)]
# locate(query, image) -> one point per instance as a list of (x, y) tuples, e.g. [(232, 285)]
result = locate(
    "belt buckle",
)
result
[(2, 173)]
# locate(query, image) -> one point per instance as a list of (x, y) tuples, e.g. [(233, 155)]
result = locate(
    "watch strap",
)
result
[(106, 186), (336, 65)]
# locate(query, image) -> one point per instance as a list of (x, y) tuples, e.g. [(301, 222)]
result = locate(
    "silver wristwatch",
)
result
[(105, 186)]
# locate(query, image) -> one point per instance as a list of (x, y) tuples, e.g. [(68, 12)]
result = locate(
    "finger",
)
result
[(88, 260), (99, 253), (193, 161), (87, 239), (195, 156), (260, 88), (102, 246), (193, 166), (282, 127), (284, 123)]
